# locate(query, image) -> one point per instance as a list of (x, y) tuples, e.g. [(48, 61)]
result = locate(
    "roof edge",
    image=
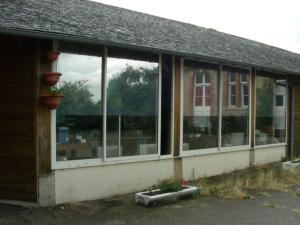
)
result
[(75, 38)]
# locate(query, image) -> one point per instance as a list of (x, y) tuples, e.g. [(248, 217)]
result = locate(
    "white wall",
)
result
[(269, 154), (214, 164), (97, 182), (88, 183)]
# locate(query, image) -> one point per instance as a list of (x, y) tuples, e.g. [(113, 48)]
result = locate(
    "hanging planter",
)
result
[(51, 78), (53, 99), (52, 55)]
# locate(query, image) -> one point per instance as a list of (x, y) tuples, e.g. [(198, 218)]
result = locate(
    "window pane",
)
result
[(200, 121), (235, 119), (232, 87), (244, 78), (207, 80), (279, 100), (199, 78), (207, 91), (79, 116), (207, 101), (246, 100), (132, 103), (231, 77), (270, 117), (232, 100), (245, 89), (245, 95), (198, 101), (199, 91)]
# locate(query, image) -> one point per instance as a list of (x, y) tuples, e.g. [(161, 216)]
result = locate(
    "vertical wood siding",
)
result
[(18, 173)]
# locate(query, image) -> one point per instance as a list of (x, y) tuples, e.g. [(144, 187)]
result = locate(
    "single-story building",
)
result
[(145, 98)]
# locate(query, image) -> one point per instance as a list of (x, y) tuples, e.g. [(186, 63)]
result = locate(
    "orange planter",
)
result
[(51, 101), (52, 55), (51, 78)]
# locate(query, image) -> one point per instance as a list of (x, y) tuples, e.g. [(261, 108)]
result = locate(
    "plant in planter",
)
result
[(169, 185), (51, 78), (165, 189), (52, 55), (53, 99), (291, 164)]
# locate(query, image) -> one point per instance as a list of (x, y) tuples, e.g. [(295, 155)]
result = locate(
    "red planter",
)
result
[(51, 101), (51, 78), (52, 55)]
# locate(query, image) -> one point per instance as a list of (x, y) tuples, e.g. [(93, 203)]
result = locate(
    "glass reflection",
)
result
[(235, 110), (79, 116), (132, 102), (270, 110), (200, 107)]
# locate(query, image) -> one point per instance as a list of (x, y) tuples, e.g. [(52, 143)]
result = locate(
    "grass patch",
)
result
[(236, 185)]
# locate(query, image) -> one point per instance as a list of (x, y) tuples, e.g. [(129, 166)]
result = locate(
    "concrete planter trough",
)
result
[(147, 197), (291, 164)]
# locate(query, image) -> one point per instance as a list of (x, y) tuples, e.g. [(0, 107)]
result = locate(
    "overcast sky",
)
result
[(269, 21)]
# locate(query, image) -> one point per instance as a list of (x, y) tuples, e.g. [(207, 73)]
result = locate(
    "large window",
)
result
[(270, 109), (79, 117), (132, 105), (130, 94), (235, 110), (200, 106)]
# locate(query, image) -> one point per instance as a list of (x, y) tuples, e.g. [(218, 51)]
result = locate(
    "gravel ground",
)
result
[(267, 208)]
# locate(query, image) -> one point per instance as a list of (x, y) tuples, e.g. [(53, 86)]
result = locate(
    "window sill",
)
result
[(200, 152), (269, 145), (112, 161), (236, 108)]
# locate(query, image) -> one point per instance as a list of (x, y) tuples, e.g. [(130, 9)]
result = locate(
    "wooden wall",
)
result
[(18, 170), (43, 114)]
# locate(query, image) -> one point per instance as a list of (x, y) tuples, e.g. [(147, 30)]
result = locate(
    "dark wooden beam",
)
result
[(177, 106), (253, 116)]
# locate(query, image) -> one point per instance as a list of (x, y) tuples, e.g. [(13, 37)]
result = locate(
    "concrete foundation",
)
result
[(104, 181), (47, 190), (269, 154), (214, 164), (96, 182)]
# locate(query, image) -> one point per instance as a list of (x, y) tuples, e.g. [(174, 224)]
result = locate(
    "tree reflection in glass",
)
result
[(79, 116), (270, 110), (132, 105)]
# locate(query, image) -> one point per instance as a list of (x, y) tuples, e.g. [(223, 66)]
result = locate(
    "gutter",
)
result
[(89, 40)]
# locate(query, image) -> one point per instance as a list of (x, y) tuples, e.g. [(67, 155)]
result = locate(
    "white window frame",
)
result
[(104, 160)]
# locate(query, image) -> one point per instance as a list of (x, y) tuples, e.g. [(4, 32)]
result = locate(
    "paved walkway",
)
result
[(272, 208)]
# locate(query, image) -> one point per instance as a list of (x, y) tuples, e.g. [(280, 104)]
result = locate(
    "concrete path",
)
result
[(272, 208)]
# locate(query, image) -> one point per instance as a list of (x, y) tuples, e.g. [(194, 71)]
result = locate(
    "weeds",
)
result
[(236, 185)]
